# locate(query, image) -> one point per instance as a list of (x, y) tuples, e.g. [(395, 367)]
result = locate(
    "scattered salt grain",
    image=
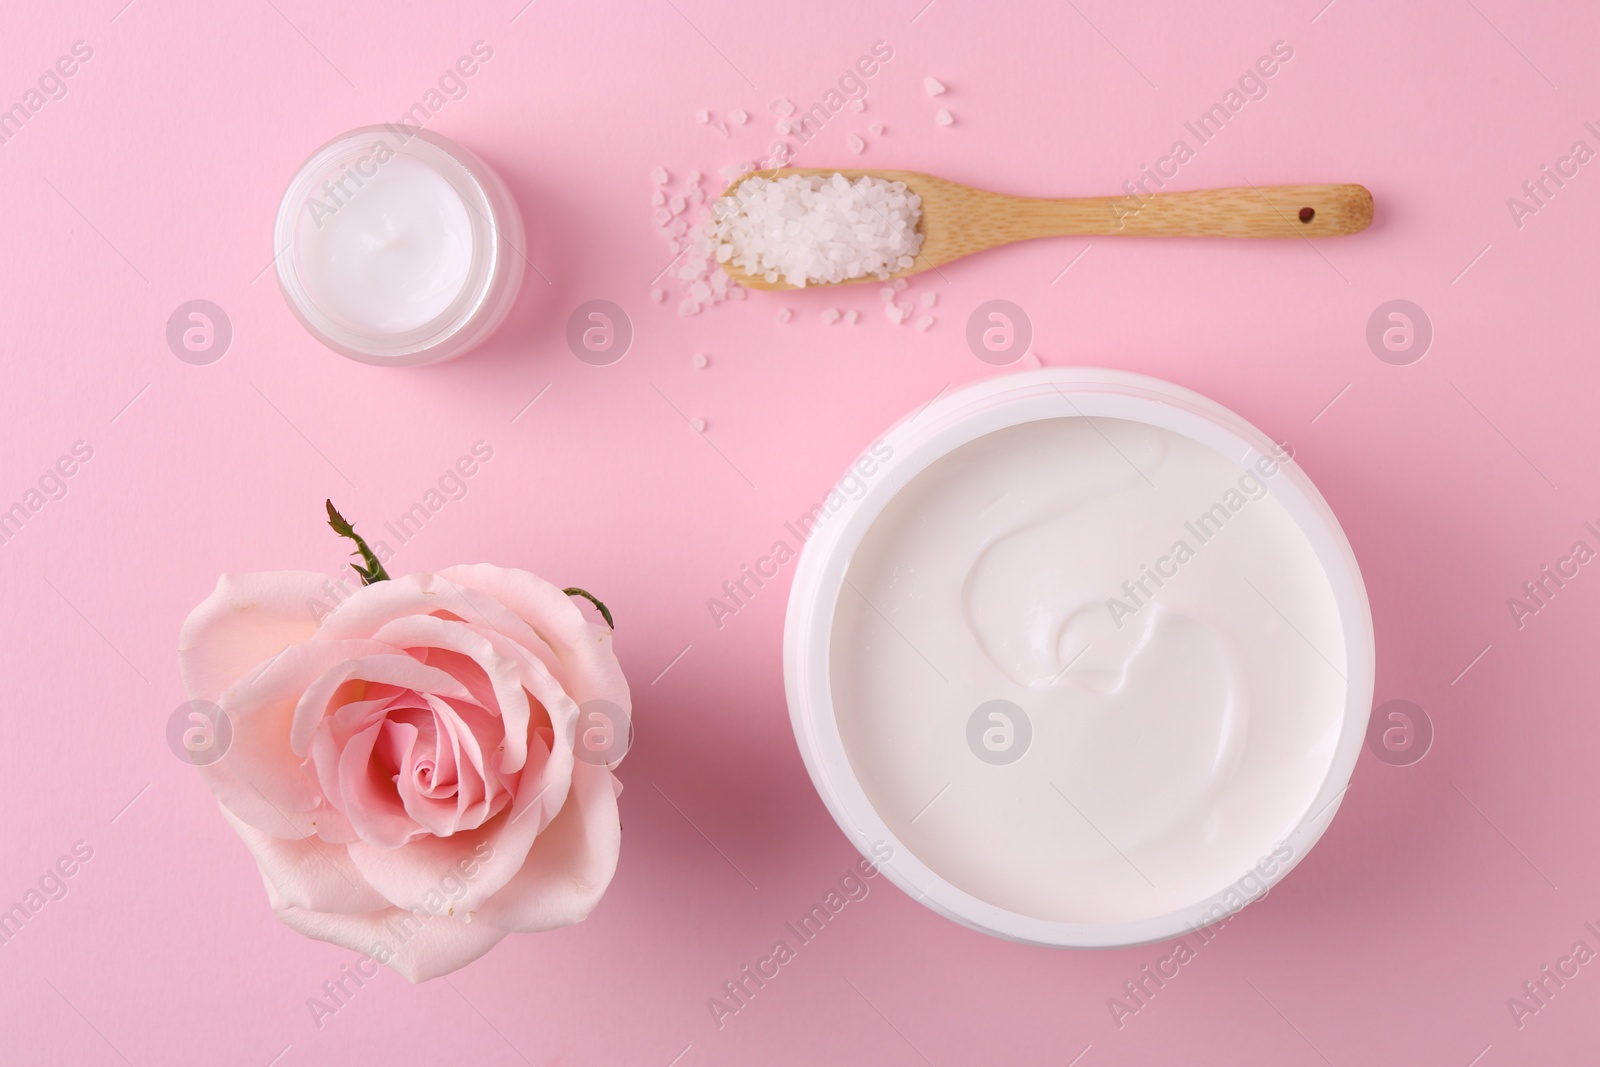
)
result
[(782, 106), (856, 143), (933, 85), (900, 283), (660, 175), (924, 322), (739, 116), (877, 129), (830, 316), (944, 118), (808, 229), (895, 312), (784, 314), (693, 178), (858, 104), (700, 360), (675, 205), (689, 307), (929, 299), (658, 198), (851, 316), (887, 292), (782, 127), (658, 295), (661, 216), (703, 117), (698, 425)]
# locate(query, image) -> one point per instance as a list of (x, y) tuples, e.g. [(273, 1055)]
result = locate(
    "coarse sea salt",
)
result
[(811, 229), (944, 118), (932, 85)]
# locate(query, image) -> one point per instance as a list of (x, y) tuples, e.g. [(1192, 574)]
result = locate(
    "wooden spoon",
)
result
[(958, 220)]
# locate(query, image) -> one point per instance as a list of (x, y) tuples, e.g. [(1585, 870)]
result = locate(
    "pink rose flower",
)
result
[(404, 770)]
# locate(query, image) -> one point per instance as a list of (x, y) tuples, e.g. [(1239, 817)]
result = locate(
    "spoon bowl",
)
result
[(958, 220)]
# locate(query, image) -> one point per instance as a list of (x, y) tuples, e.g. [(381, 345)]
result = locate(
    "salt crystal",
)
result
[(784, 314), (703, 117), (856, 143), (739, 116), (693, 178), (810, 229), (900, 285), (895, 312), (944, 118), (858, 104), (658, 295), (734, 170), (661, 216), (698, 425), (658, 198), (851, 316), (782, 106), (933, 86), (929, 299), (782, 127), (887, 292), (700, 360), (830, 316), (660, 175), (689, 307), (877, 129), (675, 205), (924, 322), (700, 291)]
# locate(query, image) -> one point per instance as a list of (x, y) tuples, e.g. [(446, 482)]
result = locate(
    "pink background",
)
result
[(1439, 890)]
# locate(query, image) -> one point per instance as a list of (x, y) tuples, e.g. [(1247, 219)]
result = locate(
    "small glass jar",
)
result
[(397, 247)]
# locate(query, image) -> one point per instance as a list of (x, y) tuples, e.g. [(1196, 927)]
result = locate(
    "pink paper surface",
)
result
[(1442, 886)]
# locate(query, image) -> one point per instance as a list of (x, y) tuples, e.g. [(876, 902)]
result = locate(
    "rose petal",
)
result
[(418, 947), (367, 798), (406, 876), (308, 873), (569, 866), (247, 619), (261, 779), (383, 666), (584, 662), (499, 664)]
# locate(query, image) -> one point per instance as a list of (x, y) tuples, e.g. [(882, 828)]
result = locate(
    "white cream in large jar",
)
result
[(1089, 670)]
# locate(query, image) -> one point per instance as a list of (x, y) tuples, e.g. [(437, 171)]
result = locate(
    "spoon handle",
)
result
[(1245, 211)]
